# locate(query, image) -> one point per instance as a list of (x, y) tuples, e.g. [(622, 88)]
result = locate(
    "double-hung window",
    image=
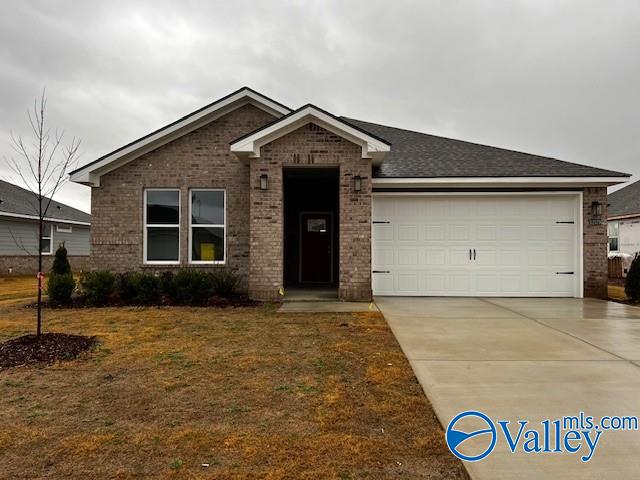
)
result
[(613, 232), (162, 226), (46, 241), (207, 226)]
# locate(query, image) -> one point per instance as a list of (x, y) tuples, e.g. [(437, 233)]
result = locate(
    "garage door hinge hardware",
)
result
[(381, 271), (572, 222), (379, 221), (564, 273)]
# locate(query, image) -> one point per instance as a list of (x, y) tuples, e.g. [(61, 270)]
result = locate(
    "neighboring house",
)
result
[(304, 198), (19, 232), (624, 220)]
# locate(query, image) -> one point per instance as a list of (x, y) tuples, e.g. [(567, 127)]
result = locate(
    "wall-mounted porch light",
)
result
[(357, 183), (596, 209), (264, 180)]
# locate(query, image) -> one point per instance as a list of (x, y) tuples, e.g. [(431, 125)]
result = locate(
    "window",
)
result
[(613, 230), (64, 228), (162, 226), (207, 226), (46, 241)]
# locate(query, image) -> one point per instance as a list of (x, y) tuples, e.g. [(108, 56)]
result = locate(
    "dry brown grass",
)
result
[(252, 392), (17, 289)]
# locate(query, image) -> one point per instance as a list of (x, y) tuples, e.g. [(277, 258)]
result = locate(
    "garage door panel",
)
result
[(519, 245)]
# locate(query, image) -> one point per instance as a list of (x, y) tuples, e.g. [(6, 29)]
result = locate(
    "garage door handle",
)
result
[(469, 254), (375, 222), (474, 253), (381, 271), (564, 273)]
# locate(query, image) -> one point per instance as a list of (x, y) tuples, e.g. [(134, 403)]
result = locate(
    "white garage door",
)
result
[(467, 245)]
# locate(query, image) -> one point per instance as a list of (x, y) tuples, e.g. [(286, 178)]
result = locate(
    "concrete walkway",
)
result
[(528, 359)]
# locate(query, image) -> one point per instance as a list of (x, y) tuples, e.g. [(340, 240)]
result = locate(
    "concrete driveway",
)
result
[(528, 359)]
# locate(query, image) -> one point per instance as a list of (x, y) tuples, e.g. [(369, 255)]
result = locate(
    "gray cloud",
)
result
[(552, 78)]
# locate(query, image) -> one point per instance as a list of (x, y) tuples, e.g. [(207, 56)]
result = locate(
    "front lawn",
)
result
[(218, 393)]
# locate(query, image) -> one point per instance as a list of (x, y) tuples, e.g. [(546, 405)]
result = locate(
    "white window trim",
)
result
[(617, 237), (224, 228), (50, 237), (64, 228), (145, 226)]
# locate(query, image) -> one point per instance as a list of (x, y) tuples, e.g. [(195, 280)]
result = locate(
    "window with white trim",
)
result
[(64, 228), (613, 232), (162, 226), (46, 241), (207, 226)]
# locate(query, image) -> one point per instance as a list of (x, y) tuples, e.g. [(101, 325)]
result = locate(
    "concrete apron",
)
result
[(528, 359)]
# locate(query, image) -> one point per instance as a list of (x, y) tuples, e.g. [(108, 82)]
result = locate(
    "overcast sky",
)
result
[(556, 78)]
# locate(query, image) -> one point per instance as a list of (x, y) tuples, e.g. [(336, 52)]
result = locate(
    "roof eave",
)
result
[(497, 182)]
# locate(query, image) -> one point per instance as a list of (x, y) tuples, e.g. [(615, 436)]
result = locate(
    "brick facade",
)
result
[(25, 265), (200, 159), (595, 244), (310, 146)]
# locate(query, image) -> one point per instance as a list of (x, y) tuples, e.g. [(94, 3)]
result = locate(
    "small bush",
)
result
[(167, 286), (191, 287), (225, 283), (632, 283), (61, 262), (60, 288), (60, 284), (138, 288), (99, 287)]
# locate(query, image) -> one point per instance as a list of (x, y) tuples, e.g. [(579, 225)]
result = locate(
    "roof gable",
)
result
[(90, 173), (625, 202), (373, 146)]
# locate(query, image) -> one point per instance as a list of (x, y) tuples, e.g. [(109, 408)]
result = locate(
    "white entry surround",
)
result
[(496, 244)]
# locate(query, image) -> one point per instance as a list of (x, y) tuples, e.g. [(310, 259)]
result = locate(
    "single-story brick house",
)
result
[(19, 232), (305, 198)]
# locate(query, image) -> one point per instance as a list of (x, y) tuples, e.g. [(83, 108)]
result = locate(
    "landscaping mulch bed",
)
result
[(48, 348)]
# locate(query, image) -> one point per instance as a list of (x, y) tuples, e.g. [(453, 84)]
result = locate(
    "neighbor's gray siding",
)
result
[(16, 236)]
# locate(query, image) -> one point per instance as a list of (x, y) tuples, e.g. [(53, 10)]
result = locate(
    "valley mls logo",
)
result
[(487, 434), (472, 436)]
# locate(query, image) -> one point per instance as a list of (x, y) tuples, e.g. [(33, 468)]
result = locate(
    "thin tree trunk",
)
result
[(39, 327)]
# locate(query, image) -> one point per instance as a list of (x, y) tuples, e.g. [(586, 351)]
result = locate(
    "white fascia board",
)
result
[(90, 175), (249, 147), (47, 219), (498, 182), (624, 217)]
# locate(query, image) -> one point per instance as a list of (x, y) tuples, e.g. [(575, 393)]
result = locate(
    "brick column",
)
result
[(595, 244), (266, 254), (355, 231)]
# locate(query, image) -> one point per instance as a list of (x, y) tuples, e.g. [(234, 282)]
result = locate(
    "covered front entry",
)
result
[(489, 245), (311, 227)]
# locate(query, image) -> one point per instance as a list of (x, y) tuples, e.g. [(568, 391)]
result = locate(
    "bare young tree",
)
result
[(42, 165)]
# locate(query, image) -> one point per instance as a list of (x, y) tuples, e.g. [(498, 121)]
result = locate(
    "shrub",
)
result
[(138, 288), (61, 262), (225, 283), (632, 283), (99, 287), (60, 288), (191, 287), (167, 286), (60, 284)]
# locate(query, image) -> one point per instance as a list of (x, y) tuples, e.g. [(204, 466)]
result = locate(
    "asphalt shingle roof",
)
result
[(625, 201), (14, 199), (415, 155)]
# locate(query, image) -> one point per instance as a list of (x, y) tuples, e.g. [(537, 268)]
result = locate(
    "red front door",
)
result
[(316, 248)]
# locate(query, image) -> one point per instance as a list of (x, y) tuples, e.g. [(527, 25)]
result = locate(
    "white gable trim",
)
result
[(249, 146), (90, 174)]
